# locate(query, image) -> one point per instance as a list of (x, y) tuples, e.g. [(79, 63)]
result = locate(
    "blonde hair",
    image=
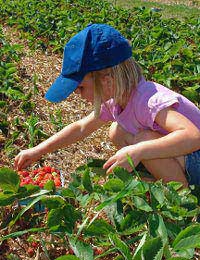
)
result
[(126, 76)]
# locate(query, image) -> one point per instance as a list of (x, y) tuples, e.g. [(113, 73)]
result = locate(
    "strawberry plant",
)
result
[(9, 55), (124, 216), (167, 49), (14, 96)]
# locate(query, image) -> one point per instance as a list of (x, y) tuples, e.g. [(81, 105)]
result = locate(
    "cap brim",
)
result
[(61, 89)]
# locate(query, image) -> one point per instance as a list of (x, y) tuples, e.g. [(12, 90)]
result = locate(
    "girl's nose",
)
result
[(77, 91)]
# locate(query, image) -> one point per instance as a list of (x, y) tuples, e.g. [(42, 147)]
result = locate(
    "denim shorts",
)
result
[(192, 168)]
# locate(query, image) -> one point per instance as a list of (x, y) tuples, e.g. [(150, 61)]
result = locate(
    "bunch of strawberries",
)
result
[(40, 176)]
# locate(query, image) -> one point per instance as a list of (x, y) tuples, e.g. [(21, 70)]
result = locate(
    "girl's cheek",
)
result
[(76, 91)]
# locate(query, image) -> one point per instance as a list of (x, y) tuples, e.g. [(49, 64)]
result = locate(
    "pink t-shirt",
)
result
[(144, 104)]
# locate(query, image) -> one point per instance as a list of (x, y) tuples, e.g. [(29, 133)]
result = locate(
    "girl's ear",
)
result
[(107, 81), (108, 86)]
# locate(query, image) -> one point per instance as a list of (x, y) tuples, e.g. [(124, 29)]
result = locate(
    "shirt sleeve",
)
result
[(106, 111), (147, 109)]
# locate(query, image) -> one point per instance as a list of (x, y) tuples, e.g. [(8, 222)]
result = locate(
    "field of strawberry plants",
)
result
[(89, 215)]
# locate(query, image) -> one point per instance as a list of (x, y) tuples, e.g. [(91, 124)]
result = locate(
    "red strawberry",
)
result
[(57, 182), (47, 169), (27, 180), (34, 244), (54, 170), (34, 172), (30, 251), (23, 173), (41, 185), (42, 173), (71, 251), (48, 176), (98, 251)]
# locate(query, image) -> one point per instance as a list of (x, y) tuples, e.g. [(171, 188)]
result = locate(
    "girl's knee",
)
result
[(121, 137), (146, 135), (115, 132), (118, 135)]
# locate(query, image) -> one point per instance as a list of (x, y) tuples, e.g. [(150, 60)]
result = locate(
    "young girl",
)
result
[(152, 124)]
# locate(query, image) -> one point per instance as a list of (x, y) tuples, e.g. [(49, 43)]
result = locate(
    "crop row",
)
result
[(167, 49), (23, 128), (124, 216)]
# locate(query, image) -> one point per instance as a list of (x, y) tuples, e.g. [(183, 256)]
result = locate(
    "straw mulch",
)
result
[(47, 67)]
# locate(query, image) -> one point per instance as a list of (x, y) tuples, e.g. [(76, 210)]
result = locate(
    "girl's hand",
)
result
[(120, 158), (26, 157)]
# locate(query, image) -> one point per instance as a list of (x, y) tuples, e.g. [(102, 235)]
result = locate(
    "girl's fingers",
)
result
[(16, 162), (109, 162), (21, 163), (111, 168)]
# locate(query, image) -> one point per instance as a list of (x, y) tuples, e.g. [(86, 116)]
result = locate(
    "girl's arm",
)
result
[(68, 135), (183, 138)]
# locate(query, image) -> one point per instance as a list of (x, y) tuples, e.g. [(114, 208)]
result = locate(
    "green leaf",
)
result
[(141, 204), (10, 71), (172, 195), (158, 193), (191, 235), (68, 193), (133, 230), (15, 94), (157, 227), (63, 218), (6, 199), (22, 232), (54, 218), (49, 185), (192, 93), (152, 249), (114, 185), (172, 229), (99, 227), (128, 189), (81, 249), (187, 52), (91, 162), (176, 47), (53, 201), (29, 190), (86, 181), (122, 174), (71, 215), (132, 219), (121, 246), (189, 242), (3, 104), (9, 180), (138, 251), (9, 65), (98, 171)]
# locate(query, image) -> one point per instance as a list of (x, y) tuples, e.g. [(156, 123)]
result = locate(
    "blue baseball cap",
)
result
[(96, 47)]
